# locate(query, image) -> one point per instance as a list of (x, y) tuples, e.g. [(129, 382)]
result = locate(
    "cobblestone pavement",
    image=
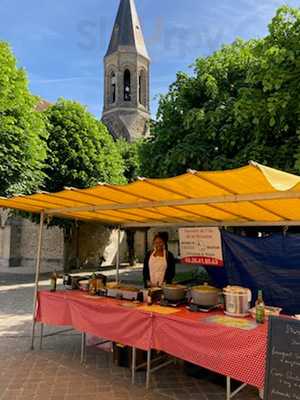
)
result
[(55, 373)]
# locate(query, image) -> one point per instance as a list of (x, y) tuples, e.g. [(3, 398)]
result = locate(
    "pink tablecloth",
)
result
[(101, 317), (233, 352)]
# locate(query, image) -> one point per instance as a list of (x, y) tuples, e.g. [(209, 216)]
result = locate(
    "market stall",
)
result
[(235, 350), (251, 196), (103, 317)]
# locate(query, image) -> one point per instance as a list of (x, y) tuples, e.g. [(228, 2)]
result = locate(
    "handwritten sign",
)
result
[(201, 246), (283, 360)]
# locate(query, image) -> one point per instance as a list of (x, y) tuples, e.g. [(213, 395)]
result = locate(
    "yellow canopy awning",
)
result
[(252, 195)]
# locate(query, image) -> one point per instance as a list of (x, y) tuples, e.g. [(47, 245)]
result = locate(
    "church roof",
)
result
[(127, 30), (43, 105)]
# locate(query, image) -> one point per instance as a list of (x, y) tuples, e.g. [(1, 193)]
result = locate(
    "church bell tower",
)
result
[(126, 110)]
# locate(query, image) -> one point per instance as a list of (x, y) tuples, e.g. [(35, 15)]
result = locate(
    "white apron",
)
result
[(157, 269)]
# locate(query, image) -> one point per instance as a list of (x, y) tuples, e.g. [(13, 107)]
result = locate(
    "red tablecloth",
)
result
[(233, 352), (101, 317)]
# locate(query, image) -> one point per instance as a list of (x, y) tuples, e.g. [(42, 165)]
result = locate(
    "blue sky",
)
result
[(61, 43)]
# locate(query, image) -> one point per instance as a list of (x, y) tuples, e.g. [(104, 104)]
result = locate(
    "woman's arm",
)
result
[(170, 272)]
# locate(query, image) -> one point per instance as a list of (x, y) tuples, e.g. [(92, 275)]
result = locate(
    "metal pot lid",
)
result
[(129, 289), (236, 290), (112, 285), (174, 286), (205, 288)]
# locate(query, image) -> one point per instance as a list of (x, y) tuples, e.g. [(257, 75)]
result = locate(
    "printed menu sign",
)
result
[(283, 360), (201, 246)]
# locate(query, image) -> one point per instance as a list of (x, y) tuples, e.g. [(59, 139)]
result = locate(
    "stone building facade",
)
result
[(126, 110), (23, 247), (18, 246)]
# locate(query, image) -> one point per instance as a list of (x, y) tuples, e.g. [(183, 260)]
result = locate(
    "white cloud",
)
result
[(63, 80)]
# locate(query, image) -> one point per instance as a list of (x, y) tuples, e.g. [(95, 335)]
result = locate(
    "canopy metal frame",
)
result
[(151, 206), (179, 201), (231, 198), (37, 277)]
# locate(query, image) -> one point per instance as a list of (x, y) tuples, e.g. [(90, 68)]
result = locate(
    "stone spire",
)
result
[(127, 30), (126, 77)]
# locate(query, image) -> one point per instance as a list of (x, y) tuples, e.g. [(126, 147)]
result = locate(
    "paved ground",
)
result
[(55, 372)]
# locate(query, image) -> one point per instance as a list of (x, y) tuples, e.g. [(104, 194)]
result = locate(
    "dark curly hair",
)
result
[(164, 236)]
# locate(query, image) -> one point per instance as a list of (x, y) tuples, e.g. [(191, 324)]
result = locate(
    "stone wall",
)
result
[(93, 245), (139, 245), (24, 242), (90, 246), (5, 233)]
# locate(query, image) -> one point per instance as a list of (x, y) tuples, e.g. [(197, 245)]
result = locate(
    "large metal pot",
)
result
[(237, 301), (174, 292), (205, 295)]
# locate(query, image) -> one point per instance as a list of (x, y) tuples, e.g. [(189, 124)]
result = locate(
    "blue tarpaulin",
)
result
[(271, 264)]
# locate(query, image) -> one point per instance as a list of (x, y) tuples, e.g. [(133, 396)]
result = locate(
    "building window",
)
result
[(142, 89), (113, 88), (127, 85)]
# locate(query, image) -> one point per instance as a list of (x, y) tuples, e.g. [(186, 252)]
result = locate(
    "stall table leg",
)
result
[(56, 333), (41, 335), (230, 395), (133, 370), (83, 348), (157, 368), (148, 369)]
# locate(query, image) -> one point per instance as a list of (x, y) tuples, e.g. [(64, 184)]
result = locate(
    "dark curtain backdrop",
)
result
[(271, 264)]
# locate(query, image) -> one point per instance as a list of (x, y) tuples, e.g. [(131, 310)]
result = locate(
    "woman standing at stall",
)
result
[(159, 263)]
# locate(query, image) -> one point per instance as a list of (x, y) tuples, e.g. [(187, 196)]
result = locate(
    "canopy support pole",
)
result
[(37, 276), (118, 256)]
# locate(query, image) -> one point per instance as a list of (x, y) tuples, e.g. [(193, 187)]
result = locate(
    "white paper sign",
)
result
[(201, 246)]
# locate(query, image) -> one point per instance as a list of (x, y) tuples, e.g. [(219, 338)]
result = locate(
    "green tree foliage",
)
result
[(22, 130), (130, 152), (241, 103), (81, 152)]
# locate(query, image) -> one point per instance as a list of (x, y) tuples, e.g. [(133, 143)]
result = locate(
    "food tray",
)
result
[(269, 311)]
